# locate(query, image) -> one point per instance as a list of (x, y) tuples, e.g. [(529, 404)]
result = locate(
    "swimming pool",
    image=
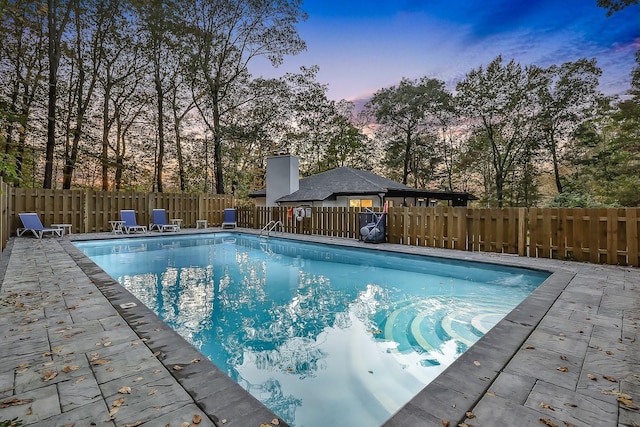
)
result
[(319, 334)]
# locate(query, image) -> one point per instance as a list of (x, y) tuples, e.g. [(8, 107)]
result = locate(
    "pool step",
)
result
[(425, 325)]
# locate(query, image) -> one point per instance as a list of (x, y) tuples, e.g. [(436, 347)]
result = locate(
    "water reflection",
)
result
[(317, 339)]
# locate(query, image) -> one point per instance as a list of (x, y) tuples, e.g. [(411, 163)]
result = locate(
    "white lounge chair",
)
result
[(31, 222), (128, 218)]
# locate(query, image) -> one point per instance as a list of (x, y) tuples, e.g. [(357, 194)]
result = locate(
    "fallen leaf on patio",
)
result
[(94, 356), (14, 402), (608, 378), (547, 406), (224, 421), (275, 422), (177, 368), (571, 405), (100, 362), (562, 369), (113, 411), (118, 402), (157, 371), (49, 375), (185, 424), (529, 347), (80, 379), (627, 402), (156, 354), (568, 424), (445, 423), (124, 390), (264, 425), (136, 424), (592, 377), (563, 357), (475, 362), (154, 391), (47, 354), (107, 344), (57, 349), (197, 419), (138, 379), (470, 415), (490, 394), (110, 369), (609, 352), (196, 360), (29, 411), (68, 368), (548, 422)]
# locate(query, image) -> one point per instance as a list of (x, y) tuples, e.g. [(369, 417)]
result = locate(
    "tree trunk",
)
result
[(55, 34), (181, 173), (217, 148), (407, 158), (160, 105), (556, 167)]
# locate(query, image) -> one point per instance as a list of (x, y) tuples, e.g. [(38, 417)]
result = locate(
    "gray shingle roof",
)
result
[(341, 181)]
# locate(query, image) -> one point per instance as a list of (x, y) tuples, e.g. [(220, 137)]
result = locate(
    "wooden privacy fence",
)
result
[(324, 221), (608, 236), (90, 211)]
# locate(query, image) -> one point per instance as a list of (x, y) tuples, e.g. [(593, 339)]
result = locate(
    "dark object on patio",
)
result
[(373, 227)]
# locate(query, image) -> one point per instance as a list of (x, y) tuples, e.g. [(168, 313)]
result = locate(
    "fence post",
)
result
[(522, 232)]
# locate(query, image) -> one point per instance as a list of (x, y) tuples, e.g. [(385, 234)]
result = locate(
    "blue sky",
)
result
[(363, 46)]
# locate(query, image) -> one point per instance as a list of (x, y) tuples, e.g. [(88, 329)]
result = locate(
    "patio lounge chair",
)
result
[(31, 222), (129, 222), (229, 220), (159, 221)]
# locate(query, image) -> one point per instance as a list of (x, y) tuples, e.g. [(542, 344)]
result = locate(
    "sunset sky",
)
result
[(362, 46)]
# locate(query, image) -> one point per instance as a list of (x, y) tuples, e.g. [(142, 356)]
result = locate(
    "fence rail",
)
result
[(606, 236)]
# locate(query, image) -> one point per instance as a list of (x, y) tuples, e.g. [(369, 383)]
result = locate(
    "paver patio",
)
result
[(71, 355)]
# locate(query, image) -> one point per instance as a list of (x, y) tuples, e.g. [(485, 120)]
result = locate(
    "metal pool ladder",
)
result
[(271, 225)]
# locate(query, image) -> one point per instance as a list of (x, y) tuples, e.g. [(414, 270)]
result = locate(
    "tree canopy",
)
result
[(157, 95)]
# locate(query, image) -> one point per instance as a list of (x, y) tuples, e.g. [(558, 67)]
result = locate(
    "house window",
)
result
[(360, 203)]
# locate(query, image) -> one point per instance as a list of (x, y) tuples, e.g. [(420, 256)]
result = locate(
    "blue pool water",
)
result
[(322, 335)]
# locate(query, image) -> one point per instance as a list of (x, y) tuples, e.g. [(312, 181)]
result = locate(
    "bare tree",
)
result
[(227, 36)]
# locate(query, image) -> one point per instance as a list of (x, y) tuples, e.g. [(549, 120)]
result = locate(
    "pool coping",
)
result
[(448, 398)]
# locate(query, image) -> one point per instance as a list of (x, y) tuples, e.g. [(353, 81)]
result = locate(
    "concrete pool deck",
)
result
[(74, 351)]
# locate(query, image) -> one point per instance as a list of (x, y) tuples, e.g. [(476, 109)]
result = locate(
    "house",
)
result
[(342, 187)]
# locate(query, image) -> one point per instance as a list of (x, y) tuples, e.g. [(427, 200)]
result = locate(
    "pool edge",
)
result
[(447, 398)]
